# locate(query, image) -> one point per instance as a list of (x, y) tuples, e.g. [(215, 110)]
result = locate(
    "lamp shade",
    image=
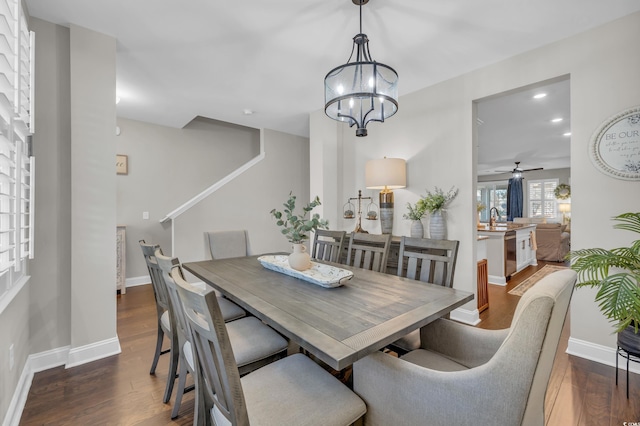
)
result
[(564, 207), (387, 172)]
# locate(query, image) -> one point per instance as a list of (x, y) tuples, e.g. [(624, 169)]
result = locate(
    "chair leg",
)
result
[(173, 369), (156, 355), (627, 375), (182, 381), (617, 355)]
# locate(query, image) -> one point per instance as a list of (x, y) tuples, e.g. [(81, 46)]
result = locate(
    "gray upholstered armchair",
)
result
[(465, 375)]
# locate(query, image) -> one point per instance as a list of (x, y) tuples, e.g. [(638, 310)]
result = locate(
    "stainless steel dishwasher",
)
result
[(510, 261)]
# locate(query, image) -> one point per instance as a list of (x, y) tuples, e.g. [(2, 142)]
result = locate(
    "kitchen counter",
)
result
[(510, 249)]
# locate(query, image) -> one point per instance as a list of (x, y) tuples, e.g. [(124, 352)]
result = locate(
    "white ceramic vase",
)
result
[(437, 226), (300, 260), (417, 230)]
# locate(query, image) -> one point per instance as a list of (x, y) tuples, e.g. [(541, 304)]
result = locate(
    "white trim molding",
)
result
[(34, 364), (12, 292), (136, 281), (93, 351), (466, 316), (598, 353)]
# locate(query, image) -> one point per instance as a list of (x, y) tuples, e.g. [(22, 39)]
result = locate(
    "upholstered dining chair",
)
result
[(369, 251), (464, 375), (254, 343), (428, 260), (226, 244), (166, 320), (328, 245), (290, 391)]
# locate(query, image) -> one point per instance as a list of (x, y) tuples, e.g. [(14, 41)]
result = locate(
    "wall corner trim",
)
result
[(34, 364), (93, 352), (466, 316), (598, 353)]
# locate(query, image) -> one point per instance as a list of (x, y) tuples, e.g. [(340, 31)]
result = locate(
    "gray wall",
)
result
[(51, 273), (246, 201), (38, 318), (167, 167), (93, 187), (433, 130)]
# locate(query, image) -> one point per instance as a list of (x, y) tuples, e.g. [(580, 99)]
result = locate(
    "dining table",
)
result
[(338, 325)]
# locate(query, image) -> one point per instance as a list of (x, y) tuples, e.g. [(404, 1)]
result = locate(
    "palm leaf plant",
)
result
[(616, 275)]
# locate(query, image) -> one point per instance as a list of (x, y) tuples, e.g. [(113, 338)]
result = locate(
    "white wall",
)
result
[(167, 167), (433, 130), (246, 202)]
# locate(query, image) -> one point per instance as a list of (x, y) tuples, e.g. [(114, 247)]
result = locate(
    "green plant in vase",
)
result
[(415, 212), (619, 292), (434, 203), (438, 199), (296, 228), (616, 275)]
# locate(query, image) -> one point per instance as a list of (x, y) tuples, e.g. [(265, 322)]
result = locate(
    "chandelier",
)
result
[(361, 91)]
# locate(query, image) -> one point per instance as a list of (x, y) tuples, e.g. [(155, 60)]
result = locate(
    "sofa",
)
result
[(552, 240)]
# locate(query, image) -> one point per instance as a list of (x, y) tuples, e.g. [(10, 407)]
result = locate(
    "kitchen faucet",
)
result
[(492, 218)]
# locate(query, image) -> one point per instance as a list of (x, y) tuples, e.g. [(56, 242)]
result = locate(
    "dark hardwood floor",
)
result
[(120, 391)]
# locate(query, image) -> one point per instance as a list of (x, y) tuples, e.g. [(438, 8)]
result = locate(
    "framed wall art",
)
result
[(615, 146), (122, 164)]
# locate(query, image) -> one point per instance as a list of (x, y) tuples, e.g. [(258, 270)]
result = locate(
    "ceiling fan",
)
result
[(518, 171)]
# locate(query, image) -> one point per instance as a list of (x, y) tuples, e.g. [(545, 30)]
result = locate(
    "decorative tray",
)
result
[(319, 273)]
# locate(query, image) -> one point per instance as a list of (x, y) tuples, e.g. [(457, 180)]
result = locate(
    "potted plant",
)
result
[(616, 275), (296, 228), (434, 203), (415, 213), (480, 208)]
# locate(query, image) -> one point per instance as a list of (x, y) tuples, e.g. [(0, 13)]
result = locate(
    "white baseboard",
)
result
[(496, 280), (93, 352), (136, 281), (35, 363), (465, 316), (598, 353)]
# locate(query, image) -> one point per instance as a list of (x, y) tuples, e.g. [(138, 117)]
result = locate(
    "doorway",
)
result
[(526, 130)]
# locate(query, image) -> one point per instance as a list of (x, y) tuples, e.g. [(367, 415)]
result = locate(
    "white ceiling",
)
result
[(214, 58), (517, 127)]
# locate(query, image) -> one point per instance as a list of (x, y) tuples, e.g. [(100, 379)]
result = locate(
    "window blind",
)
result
[(16, 127)]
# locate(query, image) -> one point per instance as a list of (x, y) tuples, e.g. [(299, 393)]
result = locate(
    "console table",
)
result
[(121, 245)]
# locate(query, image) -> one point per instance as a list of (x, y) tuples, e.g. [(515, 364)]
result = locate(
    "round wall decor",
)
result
[(562, 191), (615, 146)]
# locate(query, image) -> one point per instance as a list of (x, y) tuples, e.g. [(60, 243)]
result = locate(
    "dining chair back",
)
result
[(369, 251), (226, 244), (311, 394), (186, 362), (428, 260), (166, 319), (512, 367), (328, 245), (255, 344)]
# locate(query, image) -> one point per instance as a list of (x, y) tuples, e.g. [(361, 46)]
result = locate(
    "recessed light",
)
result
[(556, 120), (117, 100), (539, 96), (247, 111), (566, 134)]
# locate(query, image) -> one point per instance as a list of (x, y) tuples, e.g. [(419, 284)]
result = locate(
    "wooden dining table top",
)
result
[(338, 325)]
